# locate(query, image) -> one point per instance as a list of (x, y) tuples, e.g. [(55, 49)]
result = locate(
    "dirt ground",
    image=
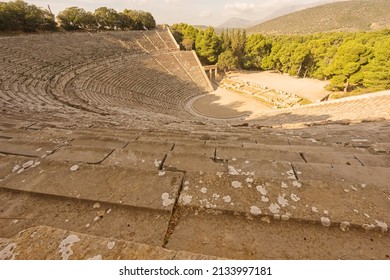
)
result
[(224, 104), (310, 89)]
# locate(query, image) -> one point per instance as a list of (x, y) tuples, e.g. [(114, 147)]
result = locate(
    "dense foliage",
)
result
[(350, 61), (74, 18), (19, 16)]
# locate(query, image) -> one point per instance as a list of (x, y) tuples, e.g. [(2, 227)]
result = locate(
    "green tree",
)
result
[(228, 61), (185, 35), (301, 61), (72, 18), (18, 15), (124, 21), (147, 20), (344, 70), (88, 21), (106, 18), (376, 74), (140, 19), (256, 49), (208, 46)]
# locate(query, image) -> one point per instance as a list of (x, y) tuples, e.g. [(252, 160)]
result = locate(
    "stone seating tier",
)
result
[(313, 190)]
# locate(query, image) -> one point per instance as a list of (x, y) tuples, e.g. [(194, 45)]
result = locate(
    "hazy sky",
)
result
[(206, 12)]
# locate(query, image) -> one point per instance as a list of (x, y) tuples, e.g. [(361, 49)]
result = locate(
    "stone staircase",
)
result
[(227, 192)]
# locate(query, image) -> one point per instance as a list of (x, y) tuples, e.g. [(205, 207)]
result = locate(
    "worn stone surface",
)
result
[(19, 211), (288, 200), (377, 160), (92, 155), (192, 162), (332, 158), (237, 237), (26, 148), (148, 146), (257, 154), (136, 159), (45, 243), (377, 176), (102, 142), (99, 183)]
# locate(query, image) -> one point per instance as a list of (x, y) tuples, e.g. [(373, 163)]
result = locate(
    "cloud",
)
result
[(205, 14), (241, 8), (139, 1), (245, 8)]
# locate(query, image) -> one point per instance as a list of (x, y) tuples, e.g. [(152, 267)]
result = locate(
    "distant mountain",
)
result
[(244, 23), (238, 23), (354, 15), (201, 27)]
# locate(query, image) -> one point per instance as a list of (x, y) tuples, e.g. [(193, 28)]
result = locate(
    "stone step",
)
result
[(15, 164), (129, 158), (256, 196), (107, 184), (14, 133), (366, 175), (46, 243), (102, 142), (249, 217), (239, 237), (331, 158), (307, 149), (261, 169), (377, 160), (27, 148), (261, 153), (21, 210), (177, 161), (92, 155)]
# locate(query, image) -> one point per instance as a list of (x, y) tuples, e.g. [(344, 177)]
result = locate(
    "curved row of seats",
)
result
[(97, 72)]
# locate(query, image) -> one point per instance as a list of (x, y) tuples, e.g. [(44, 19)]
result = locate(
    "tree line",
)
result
[(350, 61), (20, 16)]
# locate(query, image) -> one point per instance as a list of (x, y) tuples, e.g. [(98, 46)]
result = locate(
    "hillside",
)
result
[(340, 16), (237, 23)]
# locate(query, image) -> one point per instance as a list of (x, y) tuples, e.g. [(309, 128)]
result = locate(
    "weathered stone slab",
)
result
[(14, 133), (21, 210), (237, 237), (224, 143), (93, 155), (381, 148), (289, 148), (261, 169), (14, 164), (309, 201), (377, 176), (186, 141), (100, 183), (192, 162), (206, 150), (272, 140), (155, 147), (260, 153), (103, 142), (300, 141), (120, 134), (45, 243), (331, 158), (136, 159), (27, 148), (377, 160)]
